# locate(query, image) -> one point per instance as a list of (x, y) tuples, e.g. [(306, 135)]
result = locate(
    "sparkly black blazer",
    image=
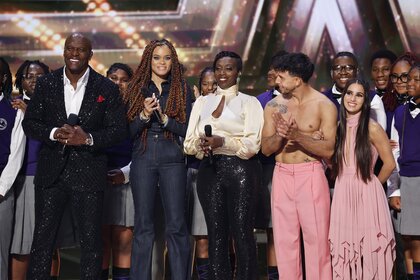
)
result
[(102, 114)]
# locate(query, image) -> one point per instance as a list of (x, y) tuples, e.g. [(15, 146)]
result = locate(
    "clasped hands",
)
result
[(289, 129), (152, 104), (71, 135)]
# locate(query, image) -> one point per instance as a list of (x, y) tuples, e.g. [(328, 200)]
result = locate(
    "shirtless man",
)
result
[(300, 197)]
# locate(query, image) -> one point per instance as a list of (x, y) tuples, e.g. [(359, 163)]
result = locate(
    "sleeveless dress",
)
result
[(361, 236)]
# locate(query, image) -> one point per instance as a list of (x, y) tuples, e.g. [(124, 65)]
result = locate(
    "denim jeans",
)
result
[(161, 164)]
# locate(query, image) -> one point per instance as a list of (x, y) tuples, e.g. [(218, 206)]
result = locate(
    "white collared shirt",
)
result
[(73, 97), (17, 153), (394, 179)]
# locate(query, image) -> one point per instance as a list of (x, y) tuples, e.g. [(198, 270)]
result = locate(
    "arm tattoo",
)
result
[(282, 108), (272, 103)]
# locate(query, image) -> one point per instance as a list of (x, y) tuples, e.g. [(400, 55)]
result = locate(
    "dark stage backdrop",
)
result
[(199, 29)]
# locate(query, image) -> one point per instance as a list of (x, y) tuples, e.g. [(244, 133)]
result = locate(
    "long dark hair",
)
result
[(23, 72), (363, 147), (7, 86)]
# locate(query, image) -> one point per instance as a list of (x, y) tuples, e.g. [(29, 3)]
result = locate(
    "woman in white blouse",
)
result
[(230, 174)]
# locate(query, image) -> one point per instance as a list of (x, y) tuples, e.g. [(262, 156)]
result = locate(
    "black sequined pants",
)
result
[(49, 208), (227, 192)]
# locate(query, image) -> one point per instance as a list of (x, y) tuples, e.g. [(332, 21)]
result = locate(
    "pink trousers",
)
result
[(300, 200)]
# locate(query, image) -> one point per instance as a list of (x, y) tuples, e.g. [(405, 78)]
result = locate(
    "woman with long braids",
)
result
[(159, 103), (230, 174), (24, 188), (361, 236)]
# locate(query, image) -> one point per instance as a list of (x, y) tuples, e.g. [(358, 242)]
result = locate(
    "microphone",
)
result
[(72, 120), (208, 132), (147, 93)]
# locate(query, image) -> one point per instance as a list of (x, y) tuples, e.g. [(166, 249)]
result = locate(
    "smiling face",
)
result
[(343, 69), (208, 83), (77, 53), (121, 78), (381, 69), (226, 72), (271, 78), (286, 83), (33, 72), (413, 87), (354, 98), (399, 76), (161, 62)]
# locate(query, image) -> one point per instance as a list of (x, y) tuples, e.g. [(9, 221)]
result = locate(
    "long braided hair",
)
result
[(23, 69), (390, 99), (176, 103)]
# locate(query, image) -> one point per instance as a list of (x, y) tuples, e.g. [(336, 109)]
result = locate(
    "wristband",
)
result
[(143, 117)]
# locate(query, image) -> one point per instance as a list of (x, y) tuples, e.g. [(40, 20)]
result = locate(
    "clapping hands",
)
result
[(285, 128)]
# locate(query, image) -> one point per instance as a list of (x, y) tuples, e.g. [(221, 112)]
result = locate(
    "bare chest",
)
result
[(307, 117)]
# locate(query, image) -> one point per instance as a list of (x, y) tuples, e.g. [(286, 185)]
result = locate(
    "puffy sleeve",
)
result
[(192, 138), (249, 143)]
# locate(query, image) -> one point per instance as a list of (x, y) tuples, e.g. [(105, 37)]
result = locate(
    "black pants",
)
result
[(227, 192), (49, 208)]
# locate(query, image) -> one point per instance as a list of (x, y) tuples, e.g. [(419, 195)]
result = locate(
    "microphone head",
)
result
[(73, 119), (146, 92), (207, 130)]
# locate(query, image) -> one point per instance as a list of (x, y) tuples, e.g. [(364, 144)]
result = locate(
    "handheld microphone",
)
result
[(72, 120), (147, 93), (208, 132)]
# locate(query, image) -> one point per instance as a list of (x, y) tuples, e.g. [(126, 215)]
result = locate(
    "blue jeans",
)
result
[(161, 165)]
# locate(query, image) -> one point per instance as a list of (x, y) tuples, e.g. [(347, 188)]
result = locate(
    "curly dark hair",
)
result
[(276, 58), (390, 99), (120, 66), (363, 147), (176, 103), (297, 64), (23, 72), (6, 86)]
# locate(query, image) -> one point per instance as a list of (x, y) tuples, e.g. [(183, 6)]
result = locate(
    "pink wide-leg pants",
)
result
[(300, 200)]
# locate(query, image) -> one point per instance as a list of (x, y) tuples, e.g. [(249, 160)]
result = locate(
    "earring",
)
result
[(238, 79)]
